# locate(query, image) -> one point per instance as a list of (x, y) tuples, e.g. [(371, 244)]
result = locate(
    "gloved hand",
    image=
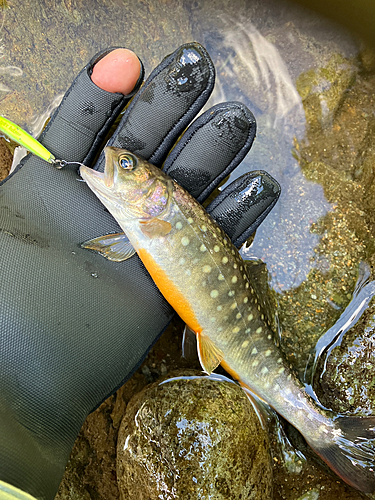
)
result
[(73, 325)]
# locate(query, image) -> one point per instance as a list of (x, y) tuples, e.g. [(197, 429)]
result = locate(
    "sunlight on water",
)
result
[(266, 70)]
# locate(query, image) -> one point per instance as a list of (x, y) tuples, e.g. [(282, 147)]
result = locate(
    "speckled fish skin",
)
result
[(204, 278)]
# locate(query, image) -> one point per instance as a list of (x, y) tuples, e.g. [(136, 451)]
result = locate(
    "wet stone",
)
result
[(347, 381), (192, 437)]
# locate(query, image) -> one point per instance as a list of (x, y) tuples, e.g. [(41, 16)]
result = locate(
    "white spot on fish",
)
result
[(204, 228), (231, 293), (203, 248), (264, 370), (182, 261), (255, 363), (268, 353), (219, 308), (258, 330), (238, 316), (212, 319), (262, 316), (281, 370), (289, 376), (254, 351), (267, 385), (233, 306), (245, 300), (250, 317), (245, 344), (269, 337), (235, 329), (216, 248), (185, 241), (220, 277), (248, 330), (234, 265), (234, 279), (280, 360), (214, 294), (190, 220), (188, 272), (224, 260), (178, 225), (247, 285), (206, 269)]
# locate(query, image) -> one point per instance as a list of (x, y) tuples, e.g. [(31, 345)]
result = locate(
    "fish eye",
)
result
[(127, 161)]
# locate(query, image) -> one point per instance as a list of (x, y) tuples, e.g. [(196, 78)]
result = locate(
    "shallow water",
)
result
[(310, 86), (260, 49)]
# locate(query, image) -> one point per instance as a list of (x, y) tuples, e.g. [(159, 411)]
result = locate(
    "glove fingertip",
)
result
[(242, 206), (211, 148)]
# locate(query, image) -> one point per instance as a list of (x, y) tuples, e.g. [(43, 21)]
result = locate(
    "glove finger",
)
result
[(243, 205), (81, 122), (211, 148), (169, 100)]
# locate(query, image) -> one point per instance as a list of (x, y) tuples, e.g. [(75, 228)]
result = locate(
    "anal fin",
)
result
[(189, 344), (209, 355)]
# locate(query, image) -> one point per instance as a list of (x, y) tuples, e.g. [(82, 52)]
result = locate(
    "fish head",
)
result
[(129, 187)]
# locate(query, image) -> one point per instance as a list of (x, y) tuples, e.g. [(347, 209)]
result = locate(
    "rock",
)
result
[(346, 375), (193, 437), (5, 159)]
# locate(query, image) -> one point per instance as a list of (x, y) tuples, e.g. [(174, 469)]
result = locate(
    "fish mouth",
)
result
[(102, 183)]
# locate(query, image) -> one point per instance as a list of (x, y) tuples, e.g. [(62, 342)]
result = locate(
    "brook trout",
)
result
[(202, 275)]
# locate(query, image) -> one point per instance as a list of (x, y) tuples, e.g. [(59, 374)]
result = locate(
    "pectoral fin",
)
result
[(155, 227), (210, 356), (115, 247)]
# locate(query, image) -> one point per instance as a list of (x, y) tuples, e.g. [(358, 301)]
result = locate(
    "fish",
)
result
[(202, 275)]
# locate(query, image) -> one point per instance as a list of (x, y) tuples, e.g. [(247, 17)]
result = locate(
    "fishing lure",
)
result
[(21, 137)]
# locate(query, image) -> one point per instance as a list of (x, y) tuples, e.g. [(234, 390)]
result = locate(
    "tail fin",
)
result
[(352, 454)]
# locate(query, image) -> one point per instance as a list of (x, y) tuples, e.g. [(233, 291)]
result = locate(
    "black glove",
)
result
[(75, 326)]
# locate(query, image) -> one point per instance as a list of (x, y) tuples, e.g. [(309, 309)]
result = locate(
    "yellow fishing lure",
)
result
[(21, 137)]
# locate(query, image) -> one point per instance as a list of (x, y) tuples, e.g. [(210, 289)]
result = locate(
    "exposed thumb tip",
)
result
[(117, 72)]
